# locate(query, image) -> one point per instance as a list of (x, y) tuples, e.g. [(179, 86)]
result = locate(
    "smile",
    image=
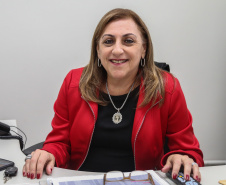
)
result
[(118, 61)]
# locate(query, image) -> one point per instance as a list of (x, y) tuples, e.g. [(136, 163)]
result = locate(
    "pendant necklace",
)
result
[(117, 117)]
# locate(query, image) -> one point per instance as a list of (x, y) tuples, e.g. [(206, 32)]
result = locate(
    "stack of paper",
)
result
[(98, 180)]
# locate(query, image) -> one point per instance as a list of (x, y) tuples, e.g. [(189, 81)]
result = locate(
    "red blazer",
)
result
[(75, 118)]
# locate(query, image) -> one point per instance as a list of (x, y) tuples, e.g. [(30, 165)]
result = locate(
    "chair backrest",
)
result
[(163, 66)]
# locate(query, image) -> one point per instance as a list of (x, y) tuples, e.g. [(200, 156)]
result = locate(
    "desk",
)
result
[(10, 150)]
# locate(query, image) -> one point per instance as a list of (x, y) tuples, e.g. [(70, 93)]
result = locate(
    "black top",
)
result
[(111, 147)]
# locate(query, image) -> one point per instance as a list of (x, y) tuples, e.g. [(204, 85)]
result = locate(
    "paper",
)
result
[(98, 180)]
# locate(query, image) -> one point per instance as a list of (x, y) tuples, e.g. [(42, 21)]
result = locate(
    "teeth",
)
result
[(118, 61)]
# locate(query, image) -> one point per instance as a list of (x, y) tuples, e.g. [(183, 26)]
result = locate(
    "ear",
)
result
[(144, 50), (98, 51)]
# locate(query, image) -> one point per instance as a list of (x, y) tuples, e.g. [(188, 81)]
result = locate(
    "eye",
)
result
[(129, 41), (108, 41)]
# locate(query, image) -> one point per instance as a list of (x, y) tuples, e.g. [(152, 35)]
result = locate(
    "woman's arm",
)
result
[(183, 145)]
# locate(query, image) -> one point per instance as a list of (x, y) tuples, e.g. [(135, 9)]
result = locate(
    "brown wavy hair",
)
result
[(94, 77)]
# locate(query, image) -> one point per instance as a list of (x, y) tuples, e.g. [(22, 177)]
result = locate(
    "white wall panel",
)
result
[(41, 40)]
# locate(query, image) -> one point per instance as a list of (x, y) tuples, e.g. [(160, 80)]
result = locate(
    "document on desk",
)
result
[(98, 180)]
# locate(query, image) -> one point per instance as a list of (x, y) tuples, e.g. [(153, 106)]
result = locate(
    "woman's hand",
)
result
[(40, 160), (175, 161)]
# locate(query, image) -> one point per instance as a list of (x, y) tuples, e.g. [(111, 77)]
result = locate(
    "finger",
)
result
[(27, 168), (176, 166), (50, 165), (196, 173), (33, 163), (187, 162), (167, 166), (46, 160), (42, 160), (24, 171)]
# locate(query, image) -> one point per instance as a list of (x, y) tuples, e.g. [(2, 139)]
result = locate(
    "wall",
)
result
[(40, 41)]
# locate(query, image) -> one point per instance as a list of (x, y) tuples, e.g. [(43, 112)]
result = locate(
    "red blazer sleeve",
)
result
[(181, 138), (57, 141)]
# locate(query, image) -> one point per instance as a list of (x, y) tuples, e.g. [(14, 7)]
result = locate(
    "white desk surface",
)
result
[(10, 150)]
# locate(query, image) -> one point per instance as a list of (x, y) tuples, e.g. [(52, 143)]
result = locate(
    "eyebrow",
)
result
[(126, 35)]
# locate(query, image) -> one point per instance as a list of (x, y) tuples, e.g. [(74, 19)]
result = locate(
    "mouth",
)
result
[(118, 61)]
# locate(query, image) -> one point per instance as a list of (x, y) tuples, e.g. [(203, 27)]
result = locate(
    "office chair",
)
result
[(160, 65)]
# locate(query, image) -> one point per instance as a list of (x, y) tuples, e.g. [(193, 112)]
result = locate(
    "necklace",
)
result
[(117, 117)]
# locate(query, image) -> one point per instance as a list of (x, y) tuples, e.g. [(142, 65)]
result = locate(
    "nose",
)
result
[(117, 49)]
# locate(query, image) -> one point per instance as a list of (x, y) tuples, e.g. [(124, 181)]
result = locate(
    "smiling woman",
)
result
[(116, 112), (120, 50)]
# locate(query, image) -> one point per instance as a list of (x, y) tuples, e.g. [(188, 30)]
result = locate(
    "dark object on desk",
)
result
[(161, 65), (10, 136), (10, 172), (5, 134), (5, 164), (4, 129), (180, 179)]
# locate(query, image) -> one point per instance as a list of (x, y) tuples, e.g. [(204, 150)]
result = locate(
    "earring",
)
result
[(142, 62), (98, 63)]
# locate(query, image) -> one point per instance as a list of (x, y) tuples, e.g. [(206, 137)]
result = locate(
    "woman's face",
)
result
[(120, 49)]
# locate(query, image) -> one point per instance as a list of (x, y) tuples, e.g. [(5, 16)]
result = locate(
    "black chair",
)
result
[(33, 148), (163, 66), (160, 65)]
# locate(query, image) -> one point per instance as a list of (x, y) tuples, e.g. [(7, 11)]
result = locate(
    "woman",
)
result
[(115, 113)]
